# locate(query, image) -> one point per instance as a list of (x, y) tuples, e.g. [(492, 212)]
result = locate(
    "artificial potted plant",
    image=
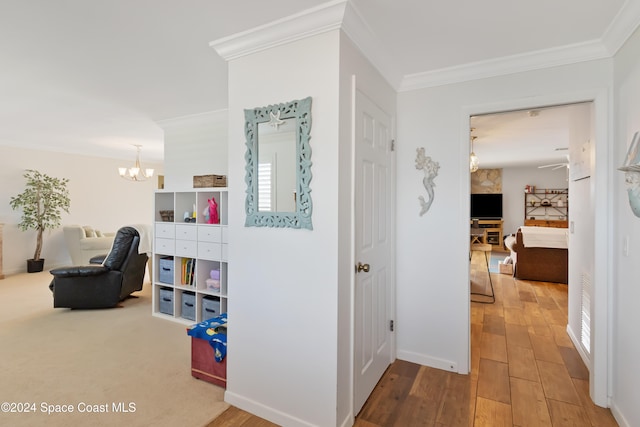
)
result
[(42, 203)]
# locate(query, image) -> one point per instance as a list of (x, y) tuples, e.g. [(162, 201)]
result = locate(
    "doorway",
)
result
[(579, 122)]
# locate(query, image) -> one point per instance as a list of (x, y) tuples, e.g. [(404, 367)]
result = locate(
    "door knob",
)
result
[(362, 267)]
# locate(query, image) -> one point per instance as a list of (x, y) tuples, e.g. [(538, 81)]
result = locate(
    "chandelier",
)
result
[(136, 172), (474, 162)]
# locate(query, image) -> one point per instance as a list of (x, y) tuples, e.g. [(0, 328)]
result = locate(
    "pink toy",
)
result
[(213, 212)]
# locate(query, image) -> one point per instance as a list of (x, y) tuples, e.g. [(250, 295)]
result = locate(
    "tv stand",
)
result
[(494, 231)]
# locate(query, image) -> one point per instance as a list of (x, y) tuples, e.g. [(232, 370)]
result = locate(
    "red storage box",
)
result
[(204, 365)]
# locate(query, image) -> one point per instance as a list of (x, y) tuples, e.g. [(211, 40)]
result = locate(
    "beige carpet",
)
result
[(96, 359)]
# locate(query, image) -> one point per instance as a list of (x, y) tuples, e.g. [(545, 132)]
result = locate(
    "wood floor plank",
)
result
[(454, 410), (557, 383), (404, 369), (493, 347), (517, 335), (554, 316), (386, 399), (598, 416), (490, 413), (514, 316), (473, 386), (496, 309), (417, 412), (493, 381), (477, 314), (476, 342), (574, 364), (234, 417), (493, 324), (529, 405), (561, 336), (522, 363), (527, 295), (363, 423), (545, 348), (541, 330), (429, 383), (533, 313), (547, 303), (567, 415)]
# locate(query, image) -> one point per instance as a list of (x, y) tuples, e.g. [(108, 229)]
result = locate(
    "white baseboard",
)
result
[(263, 411), (434, 362), (622, 422), (348, 421), (578, 345)]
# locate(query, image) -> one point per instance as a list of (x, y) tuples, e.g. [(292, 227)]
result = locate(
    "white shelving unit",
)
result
[(195, 246)]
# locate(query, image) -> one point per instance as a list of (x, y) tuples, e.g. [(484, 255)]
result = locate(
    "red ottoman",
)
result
[(204, 365)]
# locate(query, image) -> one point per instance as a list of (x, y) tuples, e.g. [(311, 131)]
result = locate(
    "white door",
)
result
[(372, 247)]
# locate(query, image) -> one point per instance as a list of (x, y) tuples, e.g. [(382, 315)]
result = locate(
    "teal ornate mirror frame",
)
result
[(294, 114)]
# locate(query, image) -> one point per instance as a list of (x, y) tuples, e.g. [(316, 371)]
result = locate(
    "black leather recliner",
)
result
[(104, 285)]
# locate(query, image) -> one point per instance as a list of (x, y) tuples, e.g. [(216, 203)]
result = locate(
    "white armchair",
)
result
[(83, 243)]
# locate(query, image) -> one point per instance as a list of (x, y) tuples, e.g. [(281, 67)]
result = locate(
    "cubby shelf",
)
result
[(188, 254)]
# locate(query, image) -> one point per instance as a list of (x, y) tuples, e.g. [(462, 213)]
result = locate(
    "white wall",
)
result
[(437, 119), (194, 145), (99, 197), (626, 294), (283, 283)]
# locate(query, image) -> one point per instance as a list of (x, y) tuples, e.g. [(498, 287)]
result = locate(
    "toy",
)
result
[(214, 218)]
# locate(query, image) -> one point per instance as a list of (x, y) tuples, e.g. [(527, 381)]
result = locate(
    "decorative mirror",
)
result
[(278, 169)]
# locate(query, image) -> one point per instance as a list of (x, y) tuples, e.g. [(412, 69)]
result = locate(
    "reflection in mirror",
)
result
[(278, 168)]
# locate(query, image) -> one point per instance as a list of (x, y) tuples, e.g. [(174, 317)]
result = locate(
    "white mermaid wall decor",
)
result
[(430, 169), (631, 169)]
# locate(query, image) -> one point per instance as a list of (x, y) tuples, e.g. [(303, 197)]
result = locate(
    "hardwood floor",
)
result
[(524, 370)]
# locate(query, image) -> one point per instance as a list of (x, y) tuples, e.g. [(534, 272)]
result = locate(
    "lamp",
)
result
[(474, 162), (136, 172)]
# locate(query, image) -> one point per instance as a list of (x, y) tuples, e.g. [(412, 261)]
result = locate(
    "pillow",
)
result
[(99, 233), (89, 232)]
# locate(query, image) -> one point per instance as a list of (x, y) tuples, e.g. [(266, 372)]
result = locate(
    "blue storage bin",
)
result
[(210, 307), (166, 270), (166, 301), (188, 306)]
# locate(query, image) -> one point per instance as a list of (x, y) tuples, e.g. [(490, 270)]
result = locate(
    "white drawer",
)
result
[(186, 232), (225, 252), (211, 251), (209, 234), (186, 248), (166, 230), (165, 246), (225, 234)]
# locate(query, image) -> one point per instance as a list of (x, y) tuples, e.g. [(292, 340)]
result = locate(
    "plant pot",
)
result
[(35, 266)]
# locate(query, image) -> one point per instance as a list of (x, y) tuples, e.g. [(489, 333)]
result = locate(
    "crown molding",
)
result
[(310, 22), (366, 40), (344, 15), (546, 58), (206, 118), (622, 27)]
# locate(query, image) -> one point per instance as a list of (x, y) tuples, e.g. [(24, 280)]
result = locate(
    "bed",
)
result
[(540, 253)]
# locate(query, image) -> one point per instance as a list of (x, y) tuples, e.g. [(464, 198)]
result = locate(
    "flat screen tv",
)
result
[(486, 206)]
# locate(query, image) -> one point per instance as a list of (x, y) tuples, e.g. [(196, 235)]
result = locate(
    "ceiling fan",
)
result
[(555, 166)]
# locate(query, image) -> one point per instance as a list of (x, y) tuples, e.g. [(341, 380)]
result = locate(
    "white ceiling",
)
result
[(95, 77)]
